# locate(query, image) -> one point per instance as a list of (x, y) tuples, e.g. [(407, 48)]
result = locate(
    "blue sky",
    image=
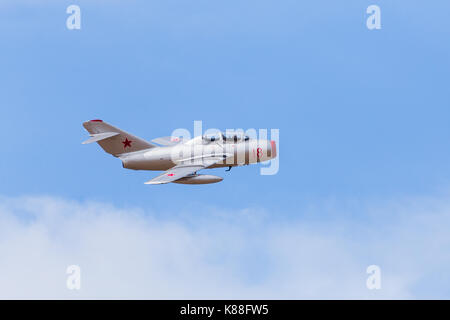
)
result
[(363, 115)]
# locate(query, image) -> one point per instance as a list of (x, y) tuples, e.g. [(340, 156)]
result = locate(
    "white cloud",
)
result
[(212, 253)]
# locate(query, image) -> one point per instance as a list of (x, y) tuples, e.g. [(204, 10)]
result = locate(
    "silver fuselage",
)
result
[(235, 154)]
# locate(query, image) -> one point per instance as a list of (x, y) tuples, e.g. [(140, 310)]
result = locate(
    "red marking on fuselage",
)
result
[(259, 152), (273, 145)]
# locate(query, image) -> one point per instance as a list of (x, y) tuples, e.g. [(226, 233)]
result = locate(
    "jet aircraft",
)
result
[(180, 159)]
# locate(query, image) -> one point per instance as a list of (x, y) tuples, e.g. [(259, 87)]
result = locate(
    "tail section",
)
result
[(113, 140)]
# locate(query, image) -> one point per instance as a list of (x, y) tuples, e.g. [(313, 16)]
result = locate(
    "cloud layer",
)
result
[(215, 253)]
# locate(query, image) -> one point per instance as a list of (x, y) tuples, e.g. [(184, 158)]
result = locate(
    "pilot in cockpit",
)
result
[(228, 137)]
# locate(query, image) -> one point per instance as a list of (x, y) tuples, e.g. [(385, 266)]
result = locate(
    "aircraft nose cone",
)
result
[(273, 146)]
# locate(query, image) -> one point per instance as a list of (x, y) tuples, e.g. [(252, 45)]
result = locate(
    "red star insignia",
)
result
[(126, 143), (170, 174)]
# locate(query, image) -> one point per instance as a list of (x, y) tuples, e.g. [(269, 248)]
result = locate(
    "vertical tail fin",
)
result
[(113, 140)]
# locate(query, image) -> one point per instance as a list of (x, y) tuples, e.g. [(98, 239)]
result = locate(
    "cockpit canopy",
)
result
[(227, 137)]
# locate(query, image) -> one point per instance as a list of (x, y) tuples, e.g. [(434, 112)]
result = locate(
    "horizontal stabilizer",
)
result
[(167, 141), (100, 136)]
